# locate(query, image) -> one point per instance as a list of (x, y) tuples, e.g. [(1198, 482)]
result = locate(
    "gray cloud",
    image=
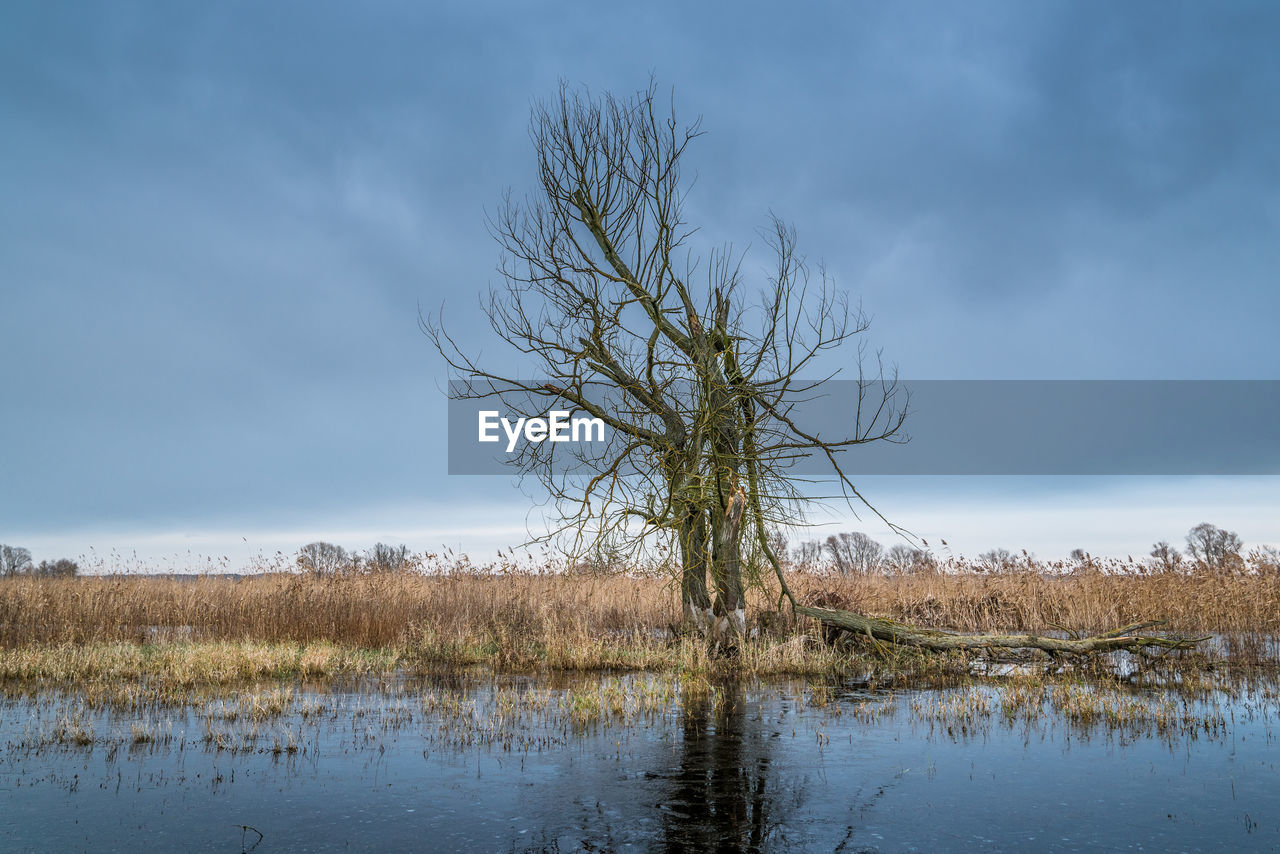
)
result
[(219, 221)]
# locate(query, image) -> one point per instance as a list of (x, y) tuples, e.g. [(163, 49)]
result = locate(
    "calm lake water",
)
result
[(640, 763)]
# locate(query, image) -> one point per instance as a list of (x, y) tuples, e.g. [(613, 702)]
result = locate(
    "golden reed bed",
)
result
[(481, 615)]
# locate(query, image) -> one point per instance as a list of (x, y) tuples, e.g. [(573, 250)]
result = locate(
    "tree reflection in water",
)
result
[(722, 795)]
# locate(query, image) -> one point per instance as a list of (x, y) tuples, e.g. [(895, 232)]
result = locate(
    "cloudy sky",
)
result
[(218, 223)]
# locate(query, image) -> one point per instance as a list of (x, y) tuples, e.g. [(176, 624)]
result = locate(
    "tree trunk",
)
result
[(730, 607), (942, 641), (695, 602)]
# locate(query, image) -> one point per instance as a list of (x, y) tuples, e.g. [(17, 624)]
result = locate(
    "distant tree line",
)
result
[(856, 553), (17, 561), (322, 558), (1208, 549)]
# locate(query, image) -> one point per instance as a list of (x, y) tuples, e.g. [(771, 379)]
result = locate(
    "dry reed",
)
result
[(1032, 601), (219, 628)]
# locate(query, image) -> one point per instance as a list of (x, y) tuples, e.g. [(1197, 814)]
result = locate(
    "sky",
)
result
[(220, 222)]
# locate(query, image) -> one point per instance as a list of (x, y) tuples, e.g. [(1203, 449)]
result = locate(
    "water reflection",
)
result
[(635, 763), (722, 795)]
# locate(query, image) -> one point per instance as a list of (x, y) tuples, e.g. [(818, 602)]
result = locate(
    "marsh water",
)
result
[(643, 763)]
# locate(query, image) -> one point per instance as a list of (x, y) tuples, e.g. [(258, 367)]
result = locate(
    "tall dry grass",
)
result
[(509, 620), (1028, 601), (372, 610), (380, 610)]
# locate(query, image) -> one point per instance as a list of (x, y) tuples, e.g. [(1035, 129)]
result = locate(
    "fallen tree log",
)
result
[(938, 640)]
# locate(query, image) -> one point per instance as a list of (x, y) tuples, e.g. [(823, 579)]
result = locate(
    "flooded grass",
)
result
[(607, 762), (522, 713), (284, 720)]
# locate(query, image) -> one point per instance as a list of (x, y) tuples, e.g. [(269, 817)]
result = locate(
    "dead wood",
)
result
[(937, 640)]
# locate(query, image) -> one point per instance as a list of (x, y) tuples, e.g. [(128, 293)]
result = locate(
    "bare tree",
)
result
[(697, 378), (1165, 557), (808, 555), (902, 559), (14, 560), (854, 553), (1213, 547), (385, 558), (778, 543), (321, 558), (62, 568)]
